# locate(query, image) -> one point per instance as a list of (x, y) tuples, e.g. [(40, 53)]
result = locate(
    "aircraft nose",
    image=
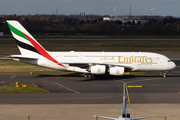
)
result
[(173, 65)]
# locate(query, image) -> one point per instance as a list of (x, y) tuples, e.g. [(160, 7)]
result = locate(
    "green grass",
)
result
[(137, 73), (15, 66), (12, 63), (30, 88), (167, 47)]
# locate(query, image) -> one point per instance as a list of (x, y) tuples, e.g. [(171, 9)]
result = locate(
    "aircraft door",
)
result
[(161, 63), (81, 58)]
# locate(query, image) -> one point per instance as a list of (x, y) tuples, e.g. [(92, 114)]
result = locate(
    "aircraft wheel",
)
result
[(89, 76), (164, 75), (85, 75)]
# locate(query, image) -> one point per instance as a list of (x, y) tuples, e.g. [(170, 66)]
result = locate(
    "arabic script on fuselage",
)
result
[(107, 58)]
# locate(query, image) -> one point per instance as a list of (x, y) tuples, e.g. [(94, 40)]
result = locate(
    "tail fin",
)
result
[(25, 42)]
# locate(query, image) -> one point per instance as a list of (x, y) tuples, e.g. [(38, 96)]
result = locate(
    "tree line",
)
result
[(52, 25)]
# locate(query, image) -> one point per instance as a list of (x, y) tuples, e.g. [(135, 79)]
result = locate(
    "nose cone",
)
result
[(171, 65)]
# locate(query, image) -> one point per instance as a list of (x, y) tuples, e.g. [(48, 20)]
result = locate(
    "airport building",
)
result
[(125, 20)]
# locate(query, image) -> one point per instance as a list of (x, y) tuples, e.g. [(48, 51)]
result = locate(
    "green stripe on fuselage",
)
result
[(16, 31)]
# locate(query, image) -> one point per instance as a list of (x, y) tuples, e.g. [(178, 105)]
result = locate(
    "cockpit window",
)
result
[(169, 61)]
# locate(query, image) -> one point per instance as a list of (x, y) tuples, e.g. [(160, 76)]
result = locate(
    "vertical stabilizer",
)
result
[(25, 41)]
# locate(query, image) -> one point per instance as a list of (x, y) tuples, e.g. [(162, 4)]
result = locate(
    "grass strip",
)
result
[(137, 73), (165, 47), (30, 88)]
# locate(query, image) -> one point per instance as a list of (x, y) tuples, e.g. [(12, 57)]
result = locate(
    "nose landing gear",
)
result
[(164, 73)]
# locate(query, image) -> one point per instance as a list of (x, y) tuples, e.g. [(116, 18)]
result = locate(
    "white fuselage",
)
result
[(131, 61)]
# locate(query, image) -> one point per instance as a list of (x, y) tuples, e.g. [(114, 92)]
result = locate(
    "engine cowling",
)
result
[(98, 69), (119, 71)]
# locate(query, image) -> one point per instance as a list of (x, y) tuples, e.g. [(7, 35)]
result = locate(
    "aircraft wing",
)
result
[(142, 117), (86, 65), (105, 117)]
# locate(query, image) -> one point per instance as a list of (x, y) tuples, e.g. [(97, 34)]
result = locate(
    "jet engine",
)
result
[(98, 69), (119, 71)]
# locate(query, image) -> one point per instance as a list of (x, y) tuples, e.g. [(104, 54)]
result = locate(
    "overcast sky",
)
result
[(99, 7)]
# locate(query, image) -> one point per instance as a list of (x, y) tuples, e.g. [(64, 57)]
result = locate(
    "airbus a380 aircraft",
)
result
[(97, 63)]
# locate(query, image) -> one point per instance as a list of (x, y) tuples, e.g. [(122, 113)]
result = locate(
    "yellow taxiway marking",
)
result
[(137, 86), (58, 77), (126, 73), (13, 77)]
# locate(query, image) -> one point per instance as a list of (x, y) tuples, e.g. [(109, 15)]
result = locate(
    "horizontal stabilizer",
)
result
[(3, 57), (105, 117), (142, 117), (23, 57)]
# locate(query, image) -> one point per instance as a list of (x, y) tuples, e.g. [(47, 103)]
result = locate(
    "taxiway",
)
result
[(79, 90)]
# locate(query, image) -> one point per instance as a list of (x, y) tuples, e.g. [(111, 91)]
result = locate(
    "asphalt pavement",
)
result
[(79, 90)]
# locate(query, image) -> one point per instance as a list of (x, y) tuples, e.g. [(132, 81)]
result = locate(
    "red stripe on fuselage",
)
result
[(42, 51)]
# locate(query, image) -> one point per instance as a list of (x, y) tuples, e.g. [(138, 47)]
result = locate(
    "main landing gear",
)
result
[(88, 76)]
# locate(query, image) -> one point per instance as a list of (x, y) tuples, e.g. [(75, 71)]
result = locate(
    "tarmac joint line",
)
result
[(143, 80), (68, 88), (13, 77)]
